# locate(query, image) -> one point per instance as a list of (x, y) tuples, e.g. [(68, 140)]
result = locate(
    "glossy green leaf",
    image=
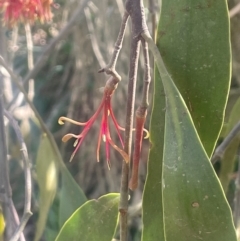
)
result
[(229, 157), (152, 210), (47, 178), (194, 205), (94, 220), (193, 37), (71, 197)]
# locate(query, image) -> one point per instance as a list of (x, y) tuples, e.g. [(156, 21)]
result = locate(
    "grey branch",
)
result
[(93, 38), (223, 146), (110, 68), (9, 210), (28, 183)]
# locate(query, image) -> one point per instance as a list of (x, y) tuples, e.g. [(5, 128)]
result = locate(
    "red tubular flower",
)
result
[(25, 10), (106, 109)]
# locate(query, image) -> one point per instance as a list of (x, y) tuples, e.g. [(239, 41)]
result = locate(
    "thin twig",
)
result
[(110, 68), (30, 59), (93, 38), (41, 122), (147, 76), (51, 46), (235, 10), (28, 183), (9, 210), (218, 154), (120, 6)]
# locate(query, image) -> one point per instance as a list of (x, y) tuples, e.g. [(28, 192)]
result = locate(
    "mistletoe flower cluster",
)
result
[(105, 109), (25, 10)]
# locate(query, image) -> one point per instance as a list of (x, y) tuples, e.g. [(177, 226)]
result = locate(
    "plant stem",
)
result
[(9, 210), (135, 9), (140, 118), (30, 59), (44, 128), (28, 181), (110, 68), (123, 205)]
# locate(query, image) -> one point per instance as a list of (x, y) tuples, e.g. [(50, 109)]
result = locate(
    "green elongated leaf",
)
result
[(47, 178), (194, 205), (228, 160), (71, 197), (152, 209), (94, 220), (193, 37)]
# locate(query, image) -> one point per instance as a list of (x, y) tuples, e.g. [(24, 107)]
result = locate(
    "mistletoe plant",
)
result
[(183, 198)]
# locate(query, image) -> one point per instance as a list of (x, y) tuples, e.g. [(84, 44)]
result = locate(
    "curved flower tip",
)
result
[(68, 136), (147, 134), (63, 119)]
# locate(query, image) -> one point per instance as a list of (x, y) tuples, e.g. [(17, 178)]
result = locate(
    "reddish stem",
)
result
[(141, 114)]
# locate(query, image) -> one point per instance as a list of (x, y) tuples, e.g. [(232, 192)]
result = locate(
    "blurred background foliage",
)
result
[(69, 85)]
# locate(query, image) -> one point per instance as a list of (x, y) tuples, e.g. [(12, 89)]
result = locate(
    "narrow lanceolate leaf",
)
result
[(47, 178), (193, 37), (94, 220), (71, 196), (195, 207), (152, 211)]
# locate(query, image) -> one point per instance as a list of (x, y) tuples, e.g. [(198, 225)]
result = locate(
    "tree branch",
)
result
[(41, 122), (9, 210), (110, 68), (93, 38), (28, 182)]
